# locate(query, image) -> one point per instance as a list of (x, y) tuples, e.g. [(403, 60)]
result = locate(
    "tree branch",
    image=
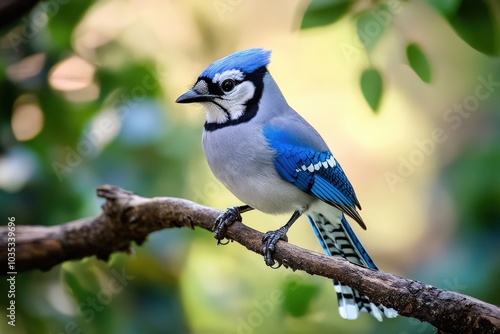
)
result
[(127, 217)]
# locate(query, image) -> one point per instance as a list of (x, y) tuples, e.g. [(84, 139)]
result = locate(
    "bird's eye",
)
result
[(227, 85)]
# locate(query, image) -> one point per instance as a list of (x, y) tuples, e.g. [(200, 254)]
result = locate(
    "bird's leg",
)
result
[(272, 237), (227, 218)]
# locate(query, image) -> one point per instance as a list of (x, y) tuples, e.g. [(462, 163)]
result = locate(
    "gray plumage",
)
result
[(274, 161), (241, 159)]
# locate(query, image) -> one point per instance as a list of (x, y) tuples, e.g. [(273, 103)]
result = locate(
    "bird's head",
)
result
[(230, 88)]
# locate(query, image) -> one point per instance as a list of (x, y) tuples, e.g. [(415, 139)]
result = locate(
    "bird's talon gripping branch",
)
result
[(271, 238), (227, 218), (269, 242), (224, 220)]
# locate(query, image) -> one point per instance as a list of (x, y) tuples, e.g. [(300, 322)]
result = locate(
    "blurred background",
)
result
[(405, 93)]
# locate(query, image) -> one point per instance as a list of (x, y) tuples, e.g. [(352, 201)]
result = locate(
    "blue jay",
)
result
[(274, 161)]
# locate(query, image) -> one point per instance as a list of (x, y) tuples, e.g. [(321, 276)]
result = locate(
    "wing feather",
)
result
[(313, 171)]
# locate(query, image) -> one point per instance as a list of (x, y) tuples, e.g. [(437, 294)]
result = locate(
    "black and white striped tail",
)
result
[(338, 239)]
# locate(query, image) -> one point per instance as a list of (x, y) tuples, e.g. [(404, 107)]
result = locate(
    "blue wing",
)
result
[(313, 171)]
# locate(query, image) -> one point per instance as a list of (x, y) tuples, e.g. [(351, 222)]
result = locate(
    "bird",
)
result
[(274, 161)]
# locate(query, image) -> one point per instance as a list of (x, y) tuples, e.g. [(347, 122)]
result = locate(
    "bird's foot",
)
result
[(224, 220), (269, 242)]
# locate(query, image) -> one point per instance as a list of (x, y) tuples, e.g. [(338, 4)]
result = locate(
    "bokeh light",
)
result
[(27, 118)]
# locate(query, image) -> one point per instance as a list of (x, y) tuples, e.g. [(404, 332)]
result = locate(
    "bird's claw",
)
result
[(225, 219), (269, 242)]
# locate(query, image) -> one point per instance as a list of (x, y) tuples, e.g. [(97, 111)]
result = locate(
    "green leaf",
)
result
[(474, 23), (372, 87), (371, 24), (298, 296), (323, 12), (418, 62)]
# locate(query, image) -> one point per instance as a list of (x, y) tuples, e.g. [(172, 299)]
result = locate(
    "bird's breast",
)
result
[(240, 157)]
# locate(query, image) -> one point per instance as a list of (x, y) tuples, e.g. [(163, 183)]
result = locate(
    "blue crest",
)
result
[(246, 61)]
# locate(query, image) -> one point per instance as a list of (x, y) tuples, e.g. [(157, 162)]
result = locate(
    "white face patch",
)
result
[(231, 74), (232, 105), (234, 102), (214, 113)]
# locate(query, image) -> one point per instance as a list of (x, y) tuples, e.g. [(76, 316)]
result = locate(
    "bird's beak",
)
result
[(193, 96)]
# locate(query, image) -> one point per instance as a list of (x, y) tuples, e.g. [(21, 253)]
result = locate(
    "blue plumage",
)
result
[(312, 171), (247, 61), (364, 254), (269, 157)]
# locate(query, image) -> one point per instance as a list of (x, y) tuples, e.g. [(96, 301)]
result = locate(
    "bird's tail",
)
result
[(338, 239)]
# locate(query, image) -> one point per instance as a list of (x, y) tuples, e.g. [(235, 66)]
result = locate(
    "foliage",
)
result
[(372, 87), (473, 21), (418, 62), (323, 12)]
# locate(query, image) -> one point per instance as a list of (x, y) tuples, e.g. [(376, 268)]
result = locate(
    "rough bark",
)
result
[(127, 217)]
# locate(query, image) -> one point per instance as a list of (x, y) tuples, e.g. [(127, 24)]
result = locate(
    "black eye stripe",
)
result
[(214, 88)]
